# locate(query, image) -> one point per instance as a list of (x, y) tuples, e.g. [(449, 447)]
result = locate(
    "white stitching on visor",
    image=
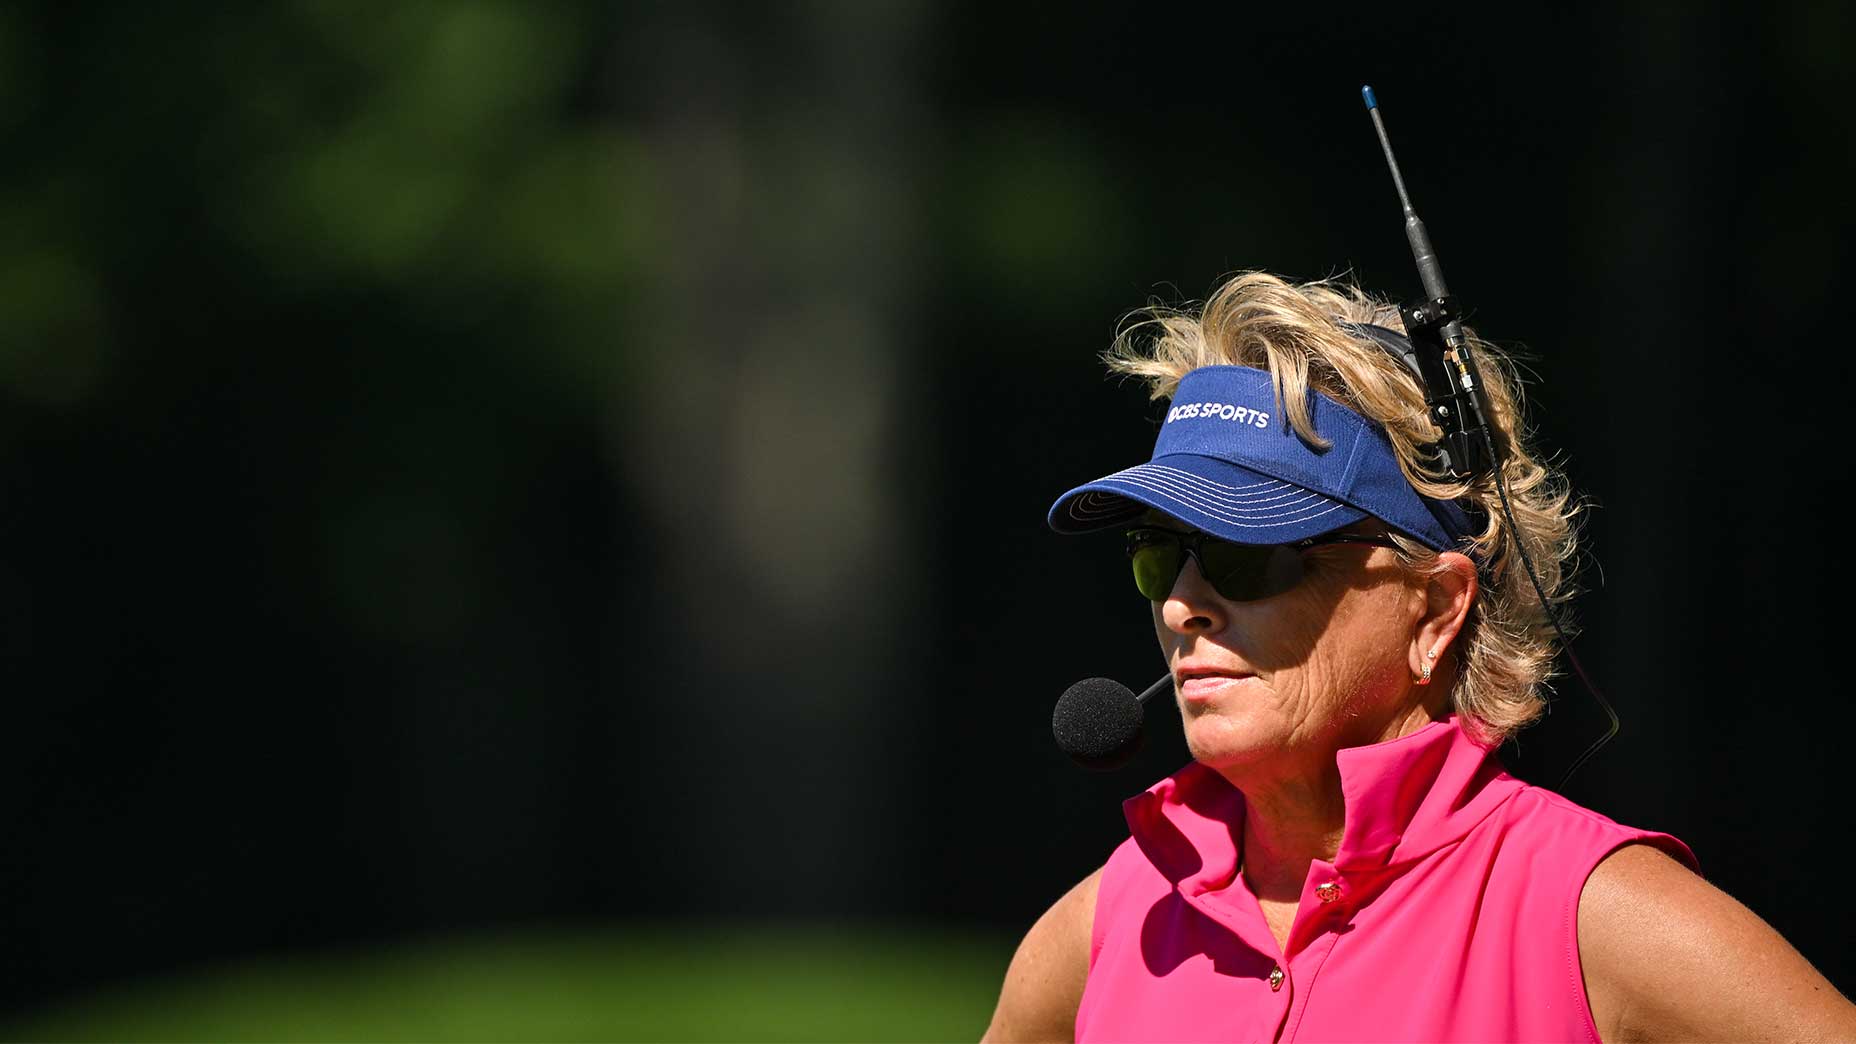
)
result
[(1249, 521), (1163, 478), (1161, 474), (1098, 505), (1129, 508)]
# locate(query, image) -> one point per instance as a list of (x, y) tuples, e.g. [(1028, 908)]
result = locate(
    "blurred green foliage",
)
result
[(665, 984), (310, 152)]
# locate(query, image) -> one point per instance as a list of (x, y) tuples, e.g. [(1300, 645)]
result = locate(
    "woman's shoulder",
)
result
[(1668, 956), (1044, 984), (1662, 953)]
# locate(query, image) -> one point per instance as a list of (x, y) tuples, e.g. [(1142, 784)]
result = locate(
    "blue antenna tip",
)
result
[(1367, 93)]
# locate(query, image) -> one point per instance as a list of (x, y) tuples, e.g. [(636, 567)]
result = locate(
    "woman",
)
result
[(1351, 634)]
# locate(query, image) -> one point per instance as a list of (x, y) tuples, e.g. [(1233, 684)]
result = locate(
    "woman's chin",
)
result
[(1219, 741)]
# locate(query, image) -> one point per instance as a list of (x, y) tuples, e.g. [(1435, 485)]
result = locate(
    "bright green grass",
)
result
[(660, 984)]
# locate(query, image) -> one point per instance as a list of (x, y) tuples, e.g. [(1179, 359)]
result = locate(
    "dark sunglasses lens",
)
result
[(1156, 559), (1247, 573), (1239, 572)]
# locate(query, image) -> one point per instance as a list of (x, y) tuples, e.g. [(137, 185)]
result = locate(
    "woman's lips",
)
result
[(1202, 687)]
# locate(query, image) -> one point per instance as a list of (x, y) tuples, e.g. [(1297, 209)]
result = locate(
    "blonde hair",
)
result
[(1506, 648)]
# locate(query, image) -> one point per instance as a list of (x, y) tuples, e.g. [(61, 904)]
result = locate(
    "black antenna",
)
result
[(1430, 273), (1469, 449)]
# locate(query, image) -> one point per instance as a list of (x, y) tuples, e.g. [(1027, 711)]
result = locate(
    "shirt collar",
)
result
[(1405, 798)]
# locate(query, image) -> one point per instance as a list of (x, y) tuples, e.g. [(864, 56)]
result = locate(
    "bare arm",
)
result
[(1045, 982), (1667, 956)]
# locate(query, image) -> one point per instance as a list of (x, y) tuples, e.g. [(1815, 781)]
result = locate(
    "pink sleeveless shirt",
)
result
[(1450, 912)]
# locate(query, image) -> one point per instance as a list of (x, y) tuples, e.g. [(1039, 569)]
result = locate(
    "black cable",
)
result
[(1514, 530)]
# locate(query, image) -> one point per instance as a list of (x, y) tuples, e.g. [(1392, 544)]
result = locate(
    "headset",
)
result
[(1437, 352)]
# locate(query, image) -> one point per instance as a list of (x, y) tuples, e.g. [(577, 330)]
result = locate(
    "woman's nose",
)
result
[(1192, 606)]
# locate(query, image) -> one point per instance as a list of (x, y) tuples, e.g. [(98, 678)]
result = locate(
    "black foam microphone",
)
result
[(1098, 721)]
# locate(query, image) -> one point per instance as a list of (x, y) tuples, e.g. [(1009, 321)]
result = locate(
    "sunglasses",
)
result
[(1238, 572)]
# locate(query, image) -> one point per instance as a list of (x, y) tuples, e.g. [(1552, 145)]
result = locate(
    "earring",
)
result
[(1425, 678)]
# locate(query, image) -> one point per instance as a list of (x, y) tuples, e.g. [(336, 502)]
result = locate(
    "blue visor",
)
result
[(1229, 464)]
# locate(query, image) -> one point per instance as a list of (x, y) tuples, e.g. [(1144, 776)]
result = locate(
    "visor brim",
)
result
[(1211, 495)]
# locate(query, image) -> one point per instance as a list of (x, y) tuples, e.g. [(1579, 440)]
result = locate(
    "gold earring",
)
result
[(1425, 678)]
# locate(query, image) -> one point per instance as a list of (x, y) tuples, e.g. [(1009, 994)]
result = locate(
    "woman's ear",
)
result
[(1449, 592)]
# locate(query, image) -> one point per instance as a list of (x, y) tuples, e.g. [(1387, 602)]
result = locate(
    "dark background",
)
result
[(473, 465)]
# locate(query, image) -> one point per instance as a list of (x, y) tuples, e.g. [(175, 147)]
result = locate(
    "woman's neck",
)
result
[(1287, 826), (1294, 818)]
